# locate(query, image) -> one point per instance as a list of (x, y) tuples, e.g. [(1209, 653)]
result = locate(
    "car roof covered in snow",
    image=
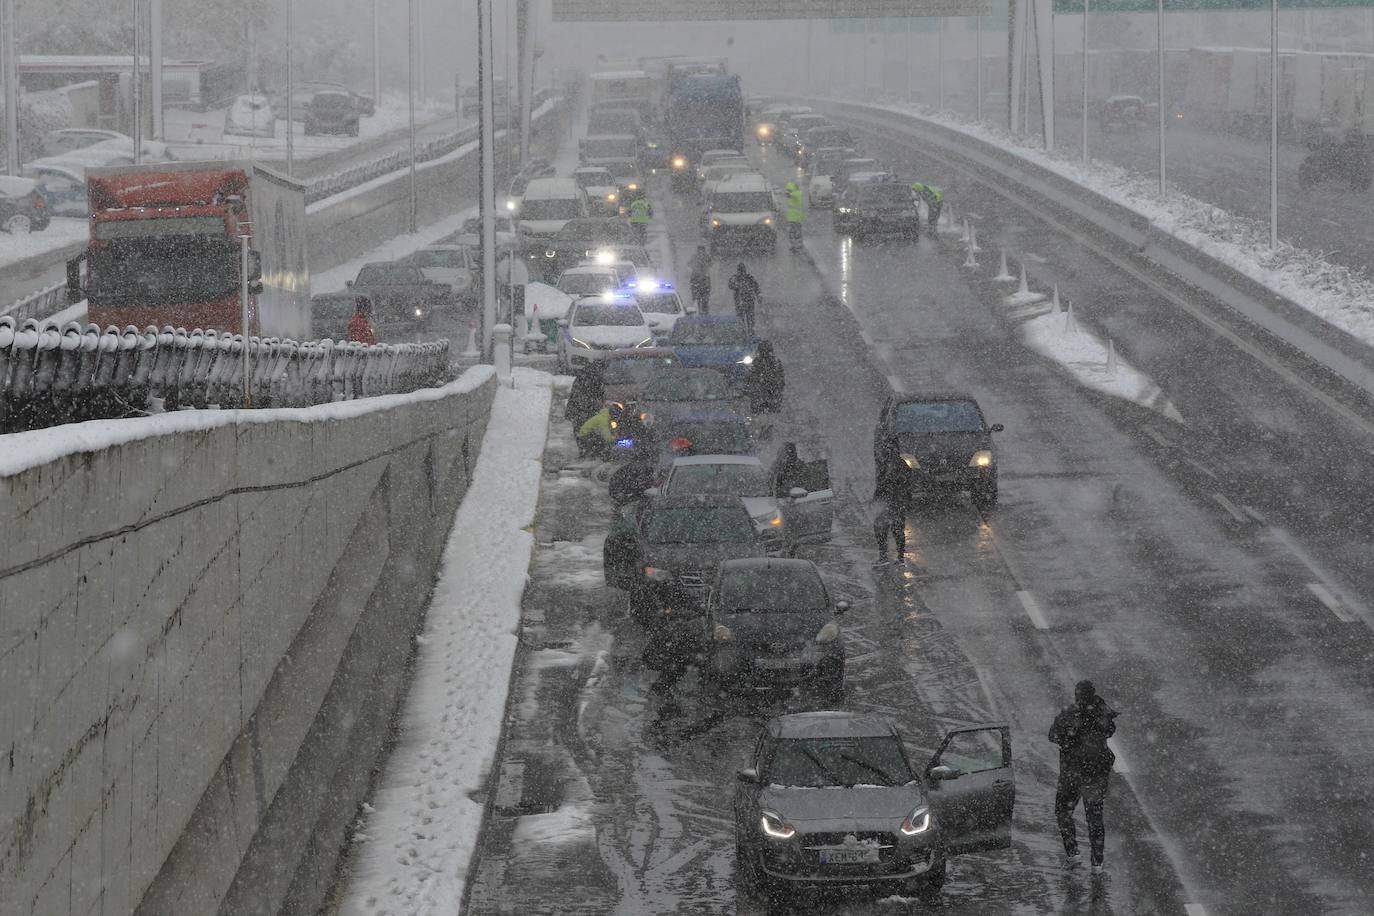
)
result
[(830, 724)]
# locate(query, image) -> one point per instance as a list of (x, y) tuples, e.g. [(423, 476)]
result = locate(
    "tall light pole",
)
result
[(290, 99), (1085, 82), (1274, 123), (1159, 37), (487, 177), (376, 56), (155, 64), (411, 217), (10, 53), (135, 84), (978, 65)]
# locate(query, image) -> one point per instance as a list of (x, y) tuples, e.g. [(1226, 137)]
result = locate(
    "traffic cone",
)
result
[(970, 261), (1023, 289), (1056, 298), (1070, 325), (964, 233), (973, 238), (1111, 357), (471, 350), (1002, 274)]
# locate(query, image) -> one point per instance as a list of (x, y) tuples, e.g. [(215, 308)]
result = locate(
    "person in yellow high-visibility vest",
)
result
[(597, 434), (639, 218), (934, 199), (796, 212)]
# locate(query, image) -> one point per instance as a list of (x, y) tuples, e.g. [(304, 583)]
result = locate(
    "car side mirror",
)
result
[(996, 428), (749, 776), (562, 322), (842, 606), (653, 322), (797, 493), (942, 773), (255, 287), (651, 492)]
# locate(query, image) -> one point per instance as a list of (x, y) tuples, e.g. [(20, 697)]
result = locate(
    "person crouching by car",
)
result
[(597, 436)]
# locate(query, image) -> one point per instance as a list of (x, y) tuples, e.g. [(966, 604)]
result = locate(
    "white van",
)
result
[(548, 204), (741, 210)]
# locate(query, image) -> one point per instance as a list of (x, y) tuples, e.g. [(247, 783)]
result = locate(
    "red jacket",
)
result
[(360, 331)]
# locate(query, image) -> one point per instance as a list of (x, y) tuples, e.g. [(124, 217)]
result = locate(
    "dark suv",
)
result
[(831, 800), (332, 111), (877, 208), (945, 441)]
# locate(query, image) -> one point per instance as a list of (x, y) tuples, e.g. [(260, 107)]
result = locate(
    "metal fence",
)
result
[(51, 375), (41, 304)]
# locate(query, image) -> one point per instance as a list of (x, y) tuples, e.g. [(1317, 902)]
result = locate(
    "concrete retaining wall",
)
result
[(204, 626)]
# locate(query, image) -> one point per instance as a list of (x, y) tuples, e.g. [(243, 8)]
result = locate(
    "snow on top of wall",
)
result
[(1334, 293), (20, 452)]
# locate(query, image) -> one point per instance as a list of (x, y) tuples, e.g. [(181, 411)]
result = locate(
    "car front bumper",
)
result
[(796, 863), (952, 479), (743, 667)]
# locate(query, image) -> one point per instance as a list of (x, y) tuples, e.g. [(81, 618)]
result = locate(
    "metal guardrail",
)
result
[(41, 304), (336, 182), (51, 375)]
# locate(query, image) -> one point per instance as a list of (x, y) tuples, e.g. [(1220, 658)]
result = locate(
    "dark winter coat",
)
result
[(1081, 733), (587, 395), (766, 381), (745, 288), (893, 485)]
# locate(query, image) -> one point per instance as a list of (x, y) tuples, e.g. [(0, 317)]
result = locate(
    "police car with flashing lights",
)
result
[(659, 302), (597, 326)]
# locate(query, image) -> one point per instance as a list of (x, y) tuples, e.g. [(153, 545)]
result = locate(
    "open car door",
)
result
[(808, 519), (973, 789)]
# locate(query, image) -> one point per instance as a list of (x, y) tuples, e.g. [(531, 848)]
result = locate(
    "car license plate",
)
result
[(777, 663), (847, 856)]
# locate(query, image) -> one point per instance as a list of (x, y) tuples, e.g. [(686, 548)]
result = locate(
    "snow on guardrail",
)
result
[(52, 374)]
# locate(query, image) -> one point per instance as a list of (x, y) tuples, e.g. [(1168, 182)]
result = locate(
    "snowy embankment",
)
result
[(419, 834), (1338, 295), (61, 232)]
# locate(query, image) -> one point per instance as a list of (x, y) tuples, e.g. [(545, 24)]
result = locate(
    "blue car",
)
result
[(717, 342)]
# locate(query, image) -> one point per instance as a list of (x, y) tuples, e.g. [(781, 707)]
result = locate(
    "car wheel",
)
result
[(747, 878), (18, 224), (929, 886)]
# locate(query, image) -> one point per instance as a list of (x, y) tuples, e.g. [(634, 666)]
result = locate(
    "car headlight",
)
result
[(679, 162), (774, 826), (715, 223), (767, 220), (746, 360), (611, 196), (646, 342), (911, 461), (769, 520), (419, 313), (916, 823), (632, 186), (828, 633), (581, 343), (842, 210), (652, 144), (764, 130), (981, 459), (655, 574), (550, 253)]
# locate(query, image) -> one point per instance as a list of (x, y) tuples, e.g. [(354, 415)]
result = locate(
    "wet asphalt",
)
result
[(1212, 577)]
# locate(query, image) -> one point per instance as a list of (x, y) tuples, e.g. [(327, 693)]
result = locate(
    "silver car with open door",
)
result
[(831, 800)]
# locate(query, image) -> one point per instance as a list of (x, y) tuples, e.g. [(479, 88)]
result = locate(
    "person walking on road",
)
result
[(700, 269), (893, 494), (640, 214), (1085, 764), (934, 200), (359, 326), (796, 212), (746, 290)]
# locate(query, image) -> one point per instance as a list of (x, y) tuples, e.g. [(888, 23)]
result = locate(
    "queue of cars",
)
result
[(706, 554)]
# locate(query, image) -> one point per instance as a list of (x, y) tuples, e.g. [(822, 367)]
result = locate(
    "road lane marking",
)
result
[(896, 384), (1033, 611), (1332, 603), (1332, 589), (1158, 437), (1201, 467), (1121, 766), (1230, 508), (1254, 513), (1195, 909)]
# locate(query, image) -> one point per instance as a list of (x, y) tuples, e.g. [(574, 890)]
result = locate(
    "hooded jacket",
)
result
[(1081, 733)]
